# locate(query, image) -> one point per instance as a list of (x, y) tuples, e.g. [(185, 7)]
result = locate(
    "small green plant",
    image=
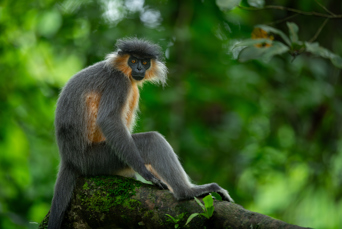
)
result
[(208, 208), (176, 219), (216, 195)]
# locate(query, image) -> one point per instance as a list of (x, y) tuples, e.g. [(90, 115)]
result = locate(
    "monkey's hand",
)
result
[(150, 177)]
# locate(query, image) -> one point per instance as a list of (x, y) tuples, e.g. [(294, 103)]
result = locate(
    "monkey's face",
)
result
[(139, 66)]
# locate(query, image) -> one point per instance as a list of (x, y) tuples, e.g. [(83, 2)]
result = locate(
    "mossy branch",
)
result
[(118, 202)]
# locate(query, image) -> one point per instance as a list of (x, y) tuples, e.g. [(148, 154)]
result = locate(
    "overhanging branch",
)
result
[(268, 7)]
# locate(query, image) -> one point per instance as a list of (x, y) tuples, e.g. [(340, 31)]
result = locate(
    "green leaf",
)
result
[(209, 205), (208, 201), (191, 217), (337, 61), (205, 214), (270, 29), (277, 48), (200, 204), (297, 46), (173, 219), (216, 195), (249, 42), (180, 216), (293, 31), (256, 3), (323, 52), (210, 211), (227, 4), (250, 52), (264, 53)]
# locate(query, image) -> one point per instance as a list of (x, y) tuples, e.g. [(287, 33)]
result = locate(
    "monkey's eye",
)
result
[(133, 61), (144, 62)]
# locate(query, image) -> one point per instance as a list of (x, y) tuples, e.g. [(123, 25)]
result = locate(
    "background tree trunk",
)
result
[(118, 202)]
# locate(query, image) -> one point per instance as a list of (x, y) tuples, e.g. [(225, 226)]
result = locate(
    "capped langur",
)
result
[(95, 116)]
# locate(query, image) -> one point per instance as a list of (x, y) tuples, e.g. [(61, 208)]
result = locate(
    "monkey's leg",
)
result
[(63, 191), (99, 159), (159, 155)]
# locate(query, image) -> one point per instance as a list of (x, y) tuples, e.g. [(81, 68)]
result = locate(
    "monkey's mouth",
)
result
[(138, 77)]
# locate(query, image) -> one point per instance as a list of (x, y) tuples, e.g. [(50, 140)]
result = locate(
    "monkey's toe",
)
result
[(160, 184), (224, 195), (163, 186)]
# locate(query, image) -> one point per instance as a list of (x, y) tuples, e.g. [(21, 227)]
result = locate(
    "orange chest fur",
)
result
[(128, 113)]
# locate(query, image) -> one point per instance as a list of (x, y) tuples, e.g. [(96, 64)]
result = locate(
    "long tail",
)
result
[(63, 191)]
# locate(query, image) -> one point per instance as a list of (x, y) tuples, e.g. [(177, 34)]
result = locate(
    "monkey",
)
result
[(94, 119)]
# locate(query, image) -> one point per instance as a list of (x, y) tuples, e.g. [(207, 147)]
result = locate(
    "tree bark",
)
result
[(118, 202)]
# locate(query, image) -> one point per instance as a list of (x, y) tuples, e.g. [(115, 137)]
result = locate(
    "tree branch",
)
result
[(282, 20), (118, 202), (293, 10), (324, 8), (319, 30)]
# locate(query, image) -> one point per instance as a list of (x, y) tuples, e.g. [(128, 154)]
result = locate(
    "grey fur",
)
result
[(139, 47), (121, 150)]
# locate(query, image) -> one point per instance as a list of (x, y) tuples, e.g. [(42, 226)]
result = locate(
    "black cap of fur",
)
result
[(140, 47)]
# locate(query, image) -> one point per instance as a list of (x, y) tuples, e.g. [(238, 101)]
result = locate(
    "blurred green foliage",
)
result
[(269, 132)]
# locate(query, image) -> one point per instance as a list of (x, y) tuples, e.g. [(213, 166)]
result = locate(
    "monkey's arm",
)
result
[(118, 137)]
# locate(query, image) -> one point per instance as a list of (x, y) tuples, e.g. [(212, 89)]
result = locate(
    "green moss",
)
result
[(109, 191), (148, 214), (152, 197), (131, 204), (44, 223), (85, 186)]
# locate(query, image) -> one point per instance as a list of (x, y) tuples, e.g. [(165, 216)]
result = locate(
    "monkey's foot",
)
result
[(200, 190), (224, 195), (159, 183)]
